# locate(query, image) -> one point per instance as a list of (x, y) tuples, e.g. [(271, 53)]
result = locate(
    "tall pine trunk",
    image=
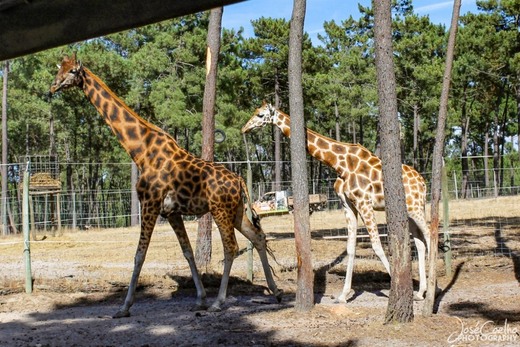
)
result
[(400, 302), (464, 146), (5, 226), (438, 152), (203, 247), (277, 179), (302, 233)]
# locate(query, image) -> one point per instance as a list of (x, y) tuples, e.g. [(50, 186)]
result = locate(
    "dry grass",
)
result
[(97, 260)]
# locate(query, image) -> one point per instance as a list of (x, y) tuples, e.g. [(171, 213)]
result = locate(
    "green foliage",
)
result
[(159, 70)]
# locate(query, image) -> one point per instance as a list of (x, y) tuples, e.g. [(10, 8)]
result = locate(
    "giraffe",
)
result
[(172, 183), (359, 186)]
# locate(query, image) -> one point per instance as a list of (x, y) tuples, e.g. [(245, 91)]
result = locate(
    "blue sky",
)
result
[(319, 11)]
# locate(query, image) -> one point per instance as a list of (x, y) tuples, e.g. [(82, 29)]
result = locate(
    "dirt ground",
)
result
[(80, 281)]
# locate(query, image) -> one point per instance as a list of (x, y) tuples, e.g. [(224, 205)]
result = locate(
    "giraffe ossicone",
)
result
[(172, 183), (359, 186)]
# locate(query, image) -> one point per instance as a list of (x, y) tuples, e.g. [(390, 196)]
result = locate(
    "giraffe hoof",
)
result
[(121, 314), (214, 308), (417, 297), (342, 299), (199, 307), (278, 295)]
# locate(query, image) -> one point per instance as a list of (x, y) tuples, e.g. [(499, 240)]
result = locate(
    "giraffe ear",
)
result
[(264, 102)]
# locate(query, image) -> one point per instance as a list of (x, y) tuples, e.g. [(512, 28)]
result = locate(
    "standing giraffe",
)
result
[(360, 188), (172, 183)]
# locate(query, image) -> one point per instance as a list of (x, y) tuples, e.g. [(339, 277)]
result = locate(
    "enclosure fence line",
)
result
[(108, 204)]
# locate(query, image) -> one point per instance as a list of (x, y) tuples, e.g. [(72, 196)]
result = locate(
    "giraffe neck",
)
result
[(320, 147), (133, 132)]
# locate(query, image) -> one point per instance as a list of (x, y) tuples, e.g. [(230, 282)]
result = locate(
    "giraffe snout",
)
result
[(250, 125), (245, 129)]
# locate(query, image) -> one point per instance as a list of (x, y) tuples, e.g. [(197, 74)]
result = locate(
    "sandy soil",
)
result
[(484, 296), (80, 281)]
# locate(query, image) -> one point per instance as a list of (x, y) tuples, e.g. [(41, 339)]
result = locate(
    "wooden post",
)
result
[(58, 211), (31, 213), (26, 230)]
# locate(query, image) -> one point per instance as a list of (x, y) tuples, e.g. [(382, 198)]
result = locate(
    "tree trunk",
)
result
[(203, 247), (518, 113), (502, 137), (464, 147), (336, 113), (486, 154), (464, 159), (5, 226), (400, 303), (438, 151), (496, 146), (416, 136), (302, 235), (277, 179)]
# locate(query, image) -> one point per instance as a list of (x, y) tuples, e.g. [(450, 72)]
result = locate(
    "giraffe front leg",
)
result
[(147, 225)]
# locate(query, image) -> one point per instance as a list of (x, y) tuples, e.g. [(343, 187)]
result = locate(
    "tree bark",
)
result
[(277, 181), (336, 114), (203, 246), (302, 235), (438, 151), (400, 303), (5, 226), (464, 146), (486, 154), (518, 112), (416, 136)]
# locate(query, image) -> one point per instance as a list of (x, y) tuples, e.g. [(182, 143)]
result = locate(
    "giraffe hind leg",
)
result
[(351, 217), (230, 245), (421, 237)]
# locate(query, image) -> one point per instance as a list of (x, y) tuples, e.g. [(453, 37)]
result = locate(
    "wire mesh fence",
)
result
[(100, 196)]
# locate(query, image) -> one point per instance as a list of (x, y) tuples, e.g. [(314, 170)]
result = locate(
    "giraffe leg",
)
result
[(351, 216), (367, 213), (254, 233), (147, 224), (421, 237), (421, 256), (177, 224), (229, 242)]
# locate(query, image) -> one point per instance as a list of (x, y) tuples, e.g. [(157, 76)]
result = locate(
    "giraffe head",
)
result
[(265, 114), (68, 74)]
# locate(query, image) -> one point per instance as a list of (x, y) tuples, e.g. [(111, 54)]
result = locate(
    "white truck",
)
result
[(275, 203)]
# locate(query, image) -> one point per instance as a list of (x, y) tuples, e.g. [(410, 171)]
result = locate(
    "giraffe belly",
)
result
[(174, 203)]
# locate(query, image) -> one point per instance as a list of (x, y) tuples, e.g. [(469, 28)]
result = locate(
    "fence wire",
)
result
[(108, 205)]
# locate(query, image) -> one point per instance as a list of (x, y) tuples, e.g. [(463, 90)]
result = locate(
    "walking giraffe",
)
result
[(172, 183), (360, 188)]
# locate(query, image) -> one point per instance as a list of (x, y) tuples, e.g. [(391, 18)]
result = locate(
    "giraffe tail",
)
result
[(255, 219)]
